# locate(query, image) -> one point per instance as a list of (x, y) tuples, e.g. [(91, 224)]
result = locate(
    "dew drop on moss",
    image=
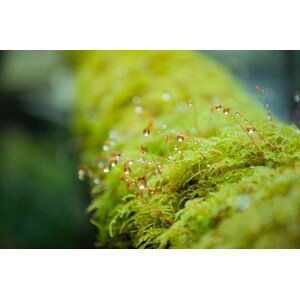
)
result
[(165, 96), (146, 132), (113, 163), (113, 134), (180, 137), (81, 174), (250, 130), (100, 164), (141, 186), (135, 100), (138, 109), (243, 202), (106, 169)]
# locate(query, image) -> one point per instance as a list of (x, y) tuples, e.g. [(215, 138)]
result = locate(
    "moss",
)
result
[(223, 186)]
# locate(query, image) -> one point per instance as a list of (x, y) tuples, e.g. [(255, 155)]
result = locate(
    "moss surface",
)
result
[(222, 186)]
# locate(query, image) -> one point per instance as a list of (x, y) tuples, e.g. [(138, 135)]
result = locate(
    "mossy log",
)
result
[(170, 166)]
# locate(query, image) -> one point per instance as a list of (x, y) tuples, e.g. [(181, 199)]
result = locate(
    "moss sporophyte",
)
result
[(209, 169)]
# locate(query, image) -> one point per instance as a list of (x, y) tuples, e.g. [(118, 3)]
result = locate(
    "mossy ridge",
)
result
[(191, 204), (202, 186), (220, 221)]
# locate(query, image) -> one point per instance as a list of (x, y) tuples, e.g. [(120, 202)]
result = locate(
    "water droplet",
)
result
[(152, 191), (225, 110), (135, 100), (142, 182), (180, 137), (106, 147), (130, 162), (208, 165), (113, 163), (146, 131), (97, 181), (81, 174), (138, 109), (250, 130), (170, 157), (117, 156), (100, 164), (106, 169), (141, 186), (126, 169), (113, 134), (166, 96), (175, 147), (243, 202), (190, 103)]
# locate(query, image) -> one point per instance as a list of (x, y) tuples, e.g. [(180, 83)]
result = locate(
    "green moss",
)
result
[(219, 188)]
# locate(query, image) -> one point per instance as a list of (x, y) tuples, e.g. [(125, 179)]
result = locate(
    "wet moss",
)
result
[(230, 183)]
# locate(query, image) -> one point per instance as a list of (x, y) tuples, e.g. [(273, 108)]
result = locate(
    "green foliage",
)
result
[(39, 196), (223, 186)]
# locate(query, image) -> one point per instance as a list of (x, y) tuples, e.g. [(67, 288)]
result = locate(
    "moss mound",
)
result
[(169, 171)]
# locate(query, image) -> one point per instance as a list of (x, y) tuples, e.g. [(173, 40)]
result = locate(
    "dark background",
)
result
[(42, 202)]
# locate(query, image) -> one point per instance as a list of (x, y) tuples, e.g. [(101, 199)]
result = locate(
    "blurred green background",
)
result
[(42, 202)]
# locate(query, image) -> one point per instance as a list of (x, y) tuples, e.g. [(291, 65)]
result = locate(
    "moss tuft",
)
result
[(171, 167)]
